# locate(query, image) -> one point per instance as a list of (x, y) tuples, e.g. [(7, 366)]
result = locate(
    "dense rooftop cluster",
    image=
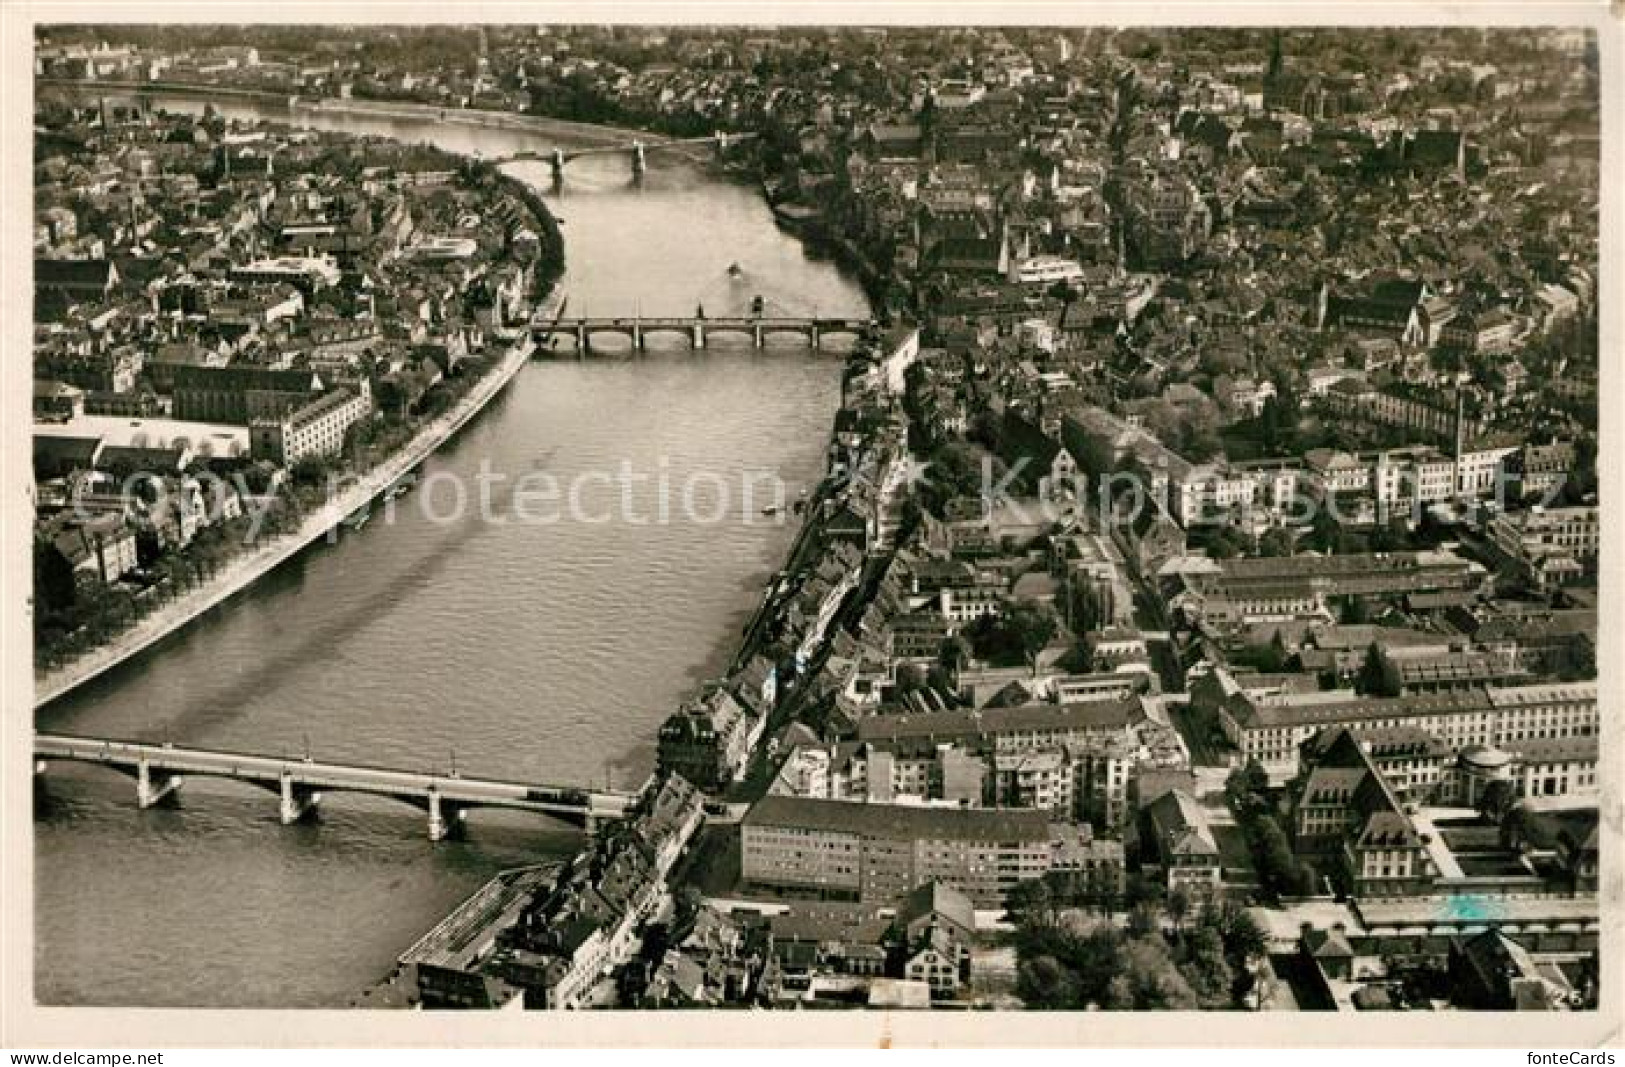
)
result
[(225, 315), (1213, 539)]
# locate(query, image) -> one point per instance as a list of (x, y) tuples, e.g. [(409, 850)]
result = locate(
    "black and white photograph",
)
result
[(537, 514)]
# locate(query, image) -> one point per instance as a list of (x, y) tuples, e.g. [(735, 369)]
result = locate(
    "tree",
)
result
[(1043, 983), (1277, 425), (1076, 659), (910, 678), (1086, 608), (1150, 980), (1205, 967), (1031, 903), (1200, 440), (1276, 541), (1304, 879), (1108, 896), (1391, 536), (1062, 292), (1094, 458), (1278, 652), (1093, 960), (53, 578), (310, 471), (1496, 801), (1517, 826), (1244, 939), (1015, 635), (1178, 906), (1270, 657), (1138, 890), (1581, 485), (1033, 625), (1272, 854), (955, 653), (1222, 546), (1238, 792), (955, 470), (1379, 674), (1142, 920), (1257, 779)]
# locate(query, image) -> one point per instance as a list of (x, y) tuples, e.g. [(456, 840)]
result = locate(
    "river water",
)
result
[(542, 647)]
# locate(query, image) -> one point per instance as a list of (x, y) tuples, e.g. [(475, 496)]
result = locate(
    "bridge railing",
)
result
[(163, 764)]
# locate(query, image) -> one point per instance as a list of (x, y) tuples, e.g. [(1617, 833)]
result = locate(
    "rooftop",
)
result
[(901, 822)]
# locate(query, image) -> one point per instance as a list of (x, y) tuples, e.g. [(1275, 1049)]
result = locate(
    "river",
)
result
[(528, 648)]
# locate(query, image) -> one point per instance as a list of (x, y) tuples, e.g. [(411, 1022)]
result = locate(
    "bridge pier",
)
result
[(152, 787), (698, 329), (557, 161), (639, 164), (298, 801), (445, 818)]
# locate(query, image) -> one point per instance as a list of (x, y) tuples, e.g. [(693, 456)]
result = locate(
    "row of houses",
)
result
[(589, 922), (909, 955), (1244, 590), (1270, 728), (711, 738)]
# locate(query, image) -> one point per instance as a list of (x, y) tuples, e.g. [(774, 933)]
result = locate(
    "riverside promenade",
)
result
[(244, 570)]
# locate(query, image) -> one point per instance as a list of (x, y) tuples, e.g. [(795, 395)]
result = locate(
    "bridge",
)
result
[(638, 150), (697, 329), (299, 782)]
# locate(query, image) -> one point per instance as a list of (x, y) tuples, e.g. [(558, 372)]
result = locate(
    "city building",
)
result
[(1186, 855), (879, 852), (314, 429), (708, 739), (1271, 729)]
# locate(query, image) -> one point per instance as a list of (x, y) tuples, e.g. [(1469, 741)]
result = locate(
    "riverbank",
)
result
[(243, 571), (875, 282)]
